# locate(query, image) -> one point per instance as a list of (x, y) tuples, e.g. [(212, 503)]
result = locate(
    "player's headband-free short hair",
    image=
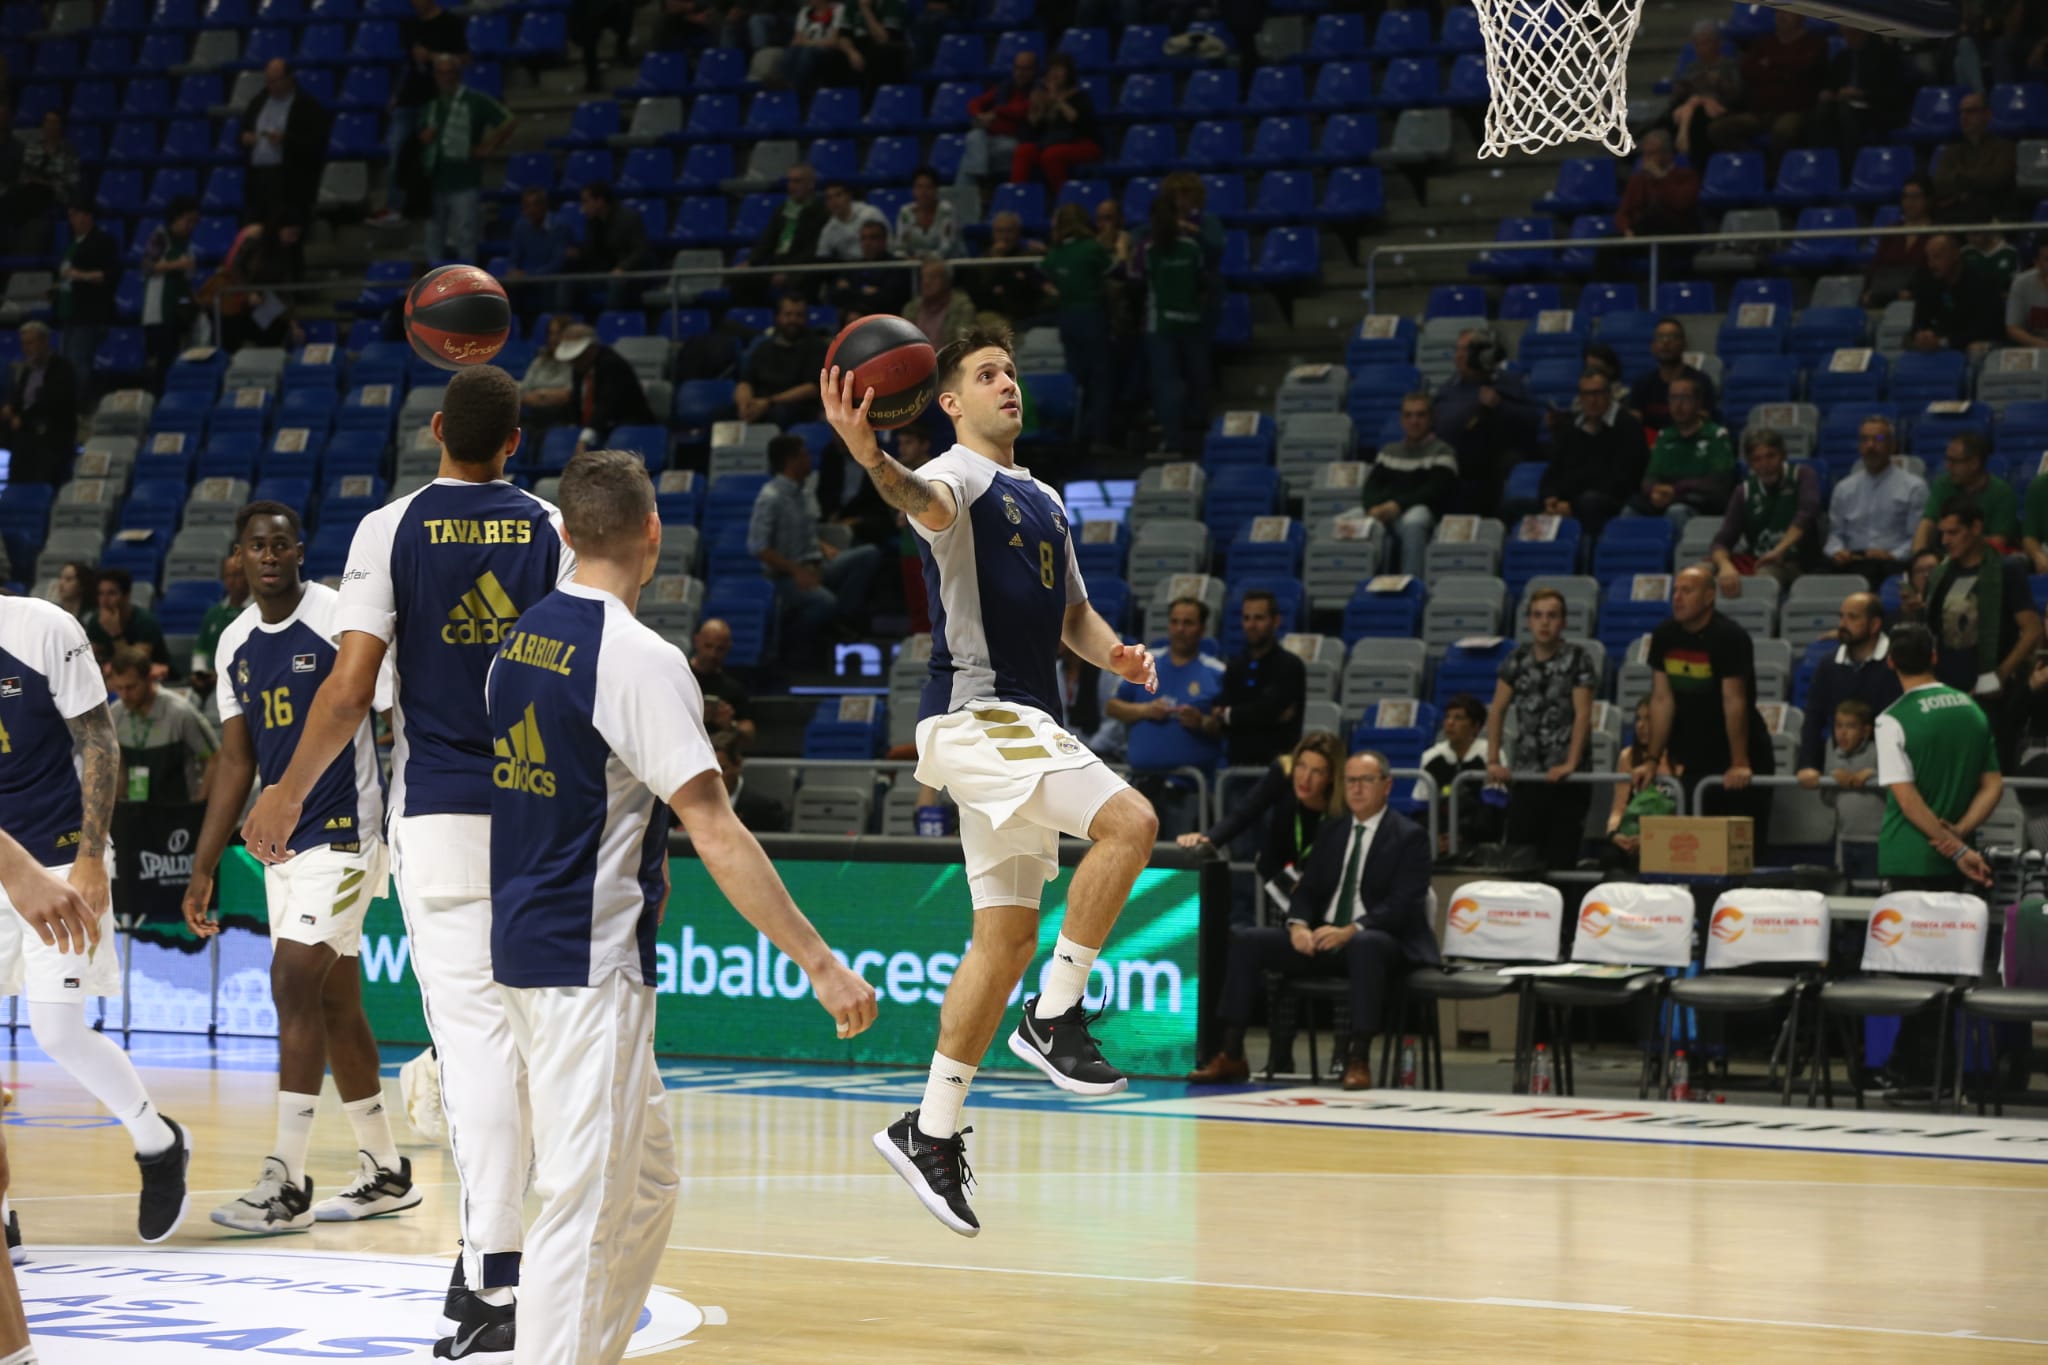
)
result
[(605, 497), (479, 414), (264, 507), (953, 355), (1912, 649)]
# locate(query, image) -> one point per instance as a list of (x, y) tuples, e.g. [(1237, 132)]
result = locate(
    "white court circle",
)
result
[(92, 1305)]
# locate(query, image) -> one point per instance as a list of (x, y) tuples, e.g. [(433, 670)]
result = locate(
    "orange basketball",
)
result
[(457, 316), (891, 356)]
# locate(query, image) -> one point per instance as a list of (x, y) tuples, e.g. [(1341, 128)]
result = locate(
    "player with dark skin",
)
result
[(320, 1019)]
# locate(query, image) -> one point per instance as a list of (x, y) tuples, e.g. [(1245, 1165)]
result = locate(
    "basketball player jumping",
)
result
[(272, 659), (437, 578), (1006, 591), (59, 764)]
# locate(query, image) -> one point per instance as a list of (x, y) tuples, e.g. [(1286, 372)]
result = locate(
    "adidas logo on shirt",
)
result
[(520, 756), (482, 616)]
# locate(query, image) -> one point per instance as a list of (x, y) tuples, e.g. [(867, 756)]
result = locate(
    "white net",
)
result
[(1558, 71)]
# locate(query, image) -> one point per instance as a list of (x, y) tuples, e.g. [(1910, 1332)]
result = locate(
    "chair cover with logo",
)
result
[(1755, 925), (1927, 933), (1632, 925), (1505, 922)]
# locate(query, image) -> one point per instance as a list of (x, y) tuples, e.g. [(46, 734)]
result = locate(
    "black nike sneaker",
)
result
[(15, 1251), (483, 1333), (163, 1187), (458, 1296), (934, 1168), (1065, 1051)]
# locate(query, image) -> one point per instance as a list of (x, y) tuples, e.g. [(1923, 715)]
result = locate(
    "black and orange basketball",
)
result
[(891, 356), (457, 316)]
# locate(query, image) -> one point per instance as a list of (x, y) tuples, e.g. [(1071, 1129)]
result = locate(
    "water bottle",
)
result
[(1408, 1062), (1539, 1072), (1681, 1077)]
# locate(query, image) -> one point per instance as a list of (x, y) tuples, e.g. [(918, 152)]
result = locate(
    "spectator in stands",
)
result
[(1110, 231), (1063, 133), (1624, 816), (432, 32), (464, 127), (1772, 525), (252, 313), (1288, 805), (1411, 484), (1600, 358), (1974, 179), (1875, 509), (878, 284), (1013, 293), (1661, 196), (285, 130), (11, 155), (1913, 586), (168, 264), (541, 245), (2034, 525), (781, 383), (726, 702), (1692, 466), (589, 21), (84, 293), (614, 242), (925, 226), (605, 391), (167, 748), (791, 234), (880, 35), (1981, 610), (1170, 271), (1955, 307), (1205, 226), (816, 582), (1865, 95), (1178, 726), (1076, 271), (1653, 395), (1991, 255), (71, 587), (1459, 751), (685, 24), (1939, 767), (49, 179), (1707, 87), (940, 311), (2026, 302), (1782, 77), (759, 812), (1967, 472), (116, 622), (1901, 256), (235, 580), (1856, 671), (1486, 414), (758, 24), (1549, 682), (1360, 912), (1265, 688), (1001, 118), (821, 50), (1597, 461), (1855, 798), (1703, 705), (40, 418), (547, 389), (839, 238)]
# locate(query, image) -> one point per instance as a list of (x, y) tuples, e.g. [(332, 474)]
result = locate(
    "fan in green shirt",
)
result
[(1939, 768), (463, 126), (2034, 526), (1078, 265), (1694, 458), (1964, 472)]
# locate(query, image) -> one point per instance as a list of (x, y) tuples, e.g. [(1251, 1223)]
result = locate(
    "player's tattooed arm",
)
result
[(99, 754), (913, 495)]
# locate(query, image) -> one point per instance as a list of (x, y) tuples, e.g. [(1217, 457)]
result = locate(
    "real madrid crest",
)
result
[(1066, 744), (1012, 511), (242, 672), (1059, 524)]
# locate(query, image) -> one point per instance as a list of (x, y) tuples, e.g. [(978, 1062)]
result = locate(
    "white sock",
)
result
[(295, 1114), (1066, 979), (96, 1062), (25, 1356), (373, 1129), (497, 1298), (945, 1092)]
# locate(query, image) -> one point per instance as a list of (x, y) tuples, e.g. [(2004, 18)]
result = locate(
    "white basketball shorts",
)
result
[(320, 897), (1020, 781), (26, 962)]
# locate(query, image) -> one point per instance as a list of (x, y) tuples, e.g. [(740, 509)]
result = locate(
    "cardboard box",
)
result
[(1700, 845)]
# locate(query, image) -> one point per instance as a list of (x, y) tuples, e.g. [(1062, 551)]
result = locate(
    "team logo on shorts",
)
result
[(10, 687), (1066, 744), (308, 919), (303, 663), (1012, 511), (70, 983)]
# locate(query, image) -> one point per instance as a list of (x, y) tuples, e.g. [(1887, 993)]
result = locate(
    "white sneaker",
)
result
[(275, 1205), (419, 1081), (375, 1190)]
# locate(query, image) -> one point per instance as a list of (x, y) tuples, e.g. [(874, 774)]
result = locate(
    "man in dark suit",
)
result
[(1360, 911), (285, 130), (39, 420)]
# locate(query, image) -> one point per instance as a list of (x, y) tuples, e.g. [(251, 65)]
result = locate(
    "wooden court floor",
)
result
[(1119, 1238)]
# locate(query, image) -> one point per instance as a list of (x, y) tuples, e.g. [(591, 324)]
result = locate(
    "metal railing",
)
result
[(1538, 777), (1715, 782)]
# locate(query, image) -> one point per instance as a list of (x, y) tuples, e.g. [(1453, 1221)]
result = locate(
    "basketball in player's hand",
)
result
[(457, 316), (891, 356)]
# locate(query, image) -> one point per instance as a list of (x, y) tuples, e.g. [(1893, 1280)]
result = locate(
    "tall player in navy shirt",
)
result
[(272, 658), (436, 579), (59, 766), (1006, 593), (599, 729)]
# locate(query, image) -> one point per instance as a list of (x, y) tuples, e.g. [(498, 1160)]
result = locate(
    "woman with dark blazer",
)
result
[(1292, 798)]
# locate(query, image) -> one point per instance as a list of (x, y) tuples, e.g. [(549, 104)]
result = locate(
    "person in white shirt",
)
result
[(839, 239)]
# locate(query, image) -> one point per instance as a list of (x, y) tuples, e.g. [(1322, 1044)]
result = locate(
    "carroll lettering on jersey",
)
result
[(520, 756), (539, 651), (474, 531)]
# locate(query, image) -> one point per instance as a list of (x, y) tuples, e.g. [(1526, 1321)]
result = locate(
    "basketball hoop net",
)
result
[(1558, 71)]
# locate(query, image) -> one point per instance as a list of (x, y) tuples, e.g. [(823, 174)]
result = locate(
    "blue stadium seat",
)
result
[(1283, 197), (1342, 87), (134, 144), (1819, 254), (1469, 668), (1584, 185), (593, 124), (146, 97), (835, 111), (648, 170), (1409, 82), (1922, 377), (1027, 201), (1089, 47), (198, 93), (355, 137), (1623, 617), (376, 40), (895, 109), (747, 605), (1750, 381), (701, 221), (1388, 613), (1932, 431), (327, 44), (1818, 333), (1809, 176), (1516, 264), (1456, 301), (1008, 45), (590, 166), (1146, 147), (1281, 140), (1598, 300), (960, 56), (119, 193), (170, 183), (834, 158), (1253, 447), (661, 73), (2019, 111), (1403, 33), (1733, 180), (1587, 227), (223, 193), (1141, 47), (1461, 33), (364, 89), (1686, 296), (1523, 559), (1277, 89), (1878, 175), (719, 68), (543, 36), (1402, 746), (1522, 302), (1335, 37), (706, 166), (1468, 86), (1352, 194), (700, 402), (1347, 140), (1935, 116), (1084, 194), (1215, 144), (1287, 256)]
